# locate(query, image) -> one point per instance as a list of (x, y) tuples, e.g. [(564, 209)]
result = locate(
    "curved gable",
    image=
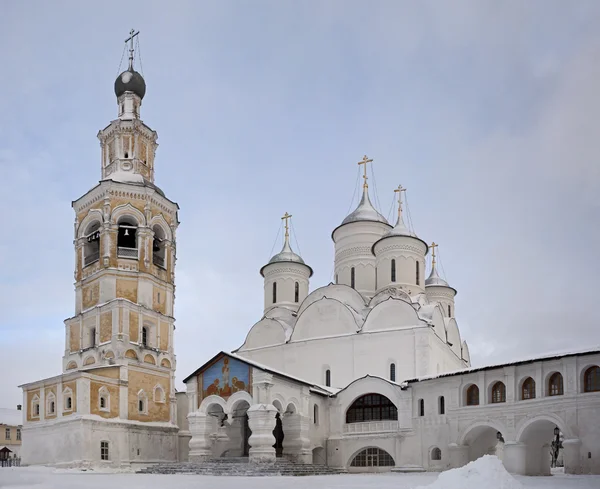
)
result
[(391, 314), (326, 317), (454, 337), (344, 294), (267, 332), (466, 356), (439, 326)]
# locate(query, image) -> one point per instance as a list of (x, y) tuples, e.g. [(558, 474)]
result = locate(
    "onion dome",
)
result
[(286, 255), (130, 81), (365, 211), (400, 230), (434, 279)]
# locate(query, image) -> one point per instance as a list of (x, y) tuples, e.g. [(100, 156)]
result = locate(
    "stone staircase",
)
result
[(240, 466)]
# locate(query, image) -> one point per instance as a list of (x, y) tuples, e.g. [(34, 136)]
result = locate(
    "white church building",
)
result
[(369, 373)]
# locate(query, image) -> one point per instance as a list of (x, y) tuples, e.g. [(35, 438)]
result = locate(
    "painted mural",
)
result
[(225, 377)]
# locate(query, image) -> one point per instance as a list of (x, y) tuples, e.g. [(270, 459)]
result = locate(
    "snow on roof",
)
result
[(11, 417), (548, 356)]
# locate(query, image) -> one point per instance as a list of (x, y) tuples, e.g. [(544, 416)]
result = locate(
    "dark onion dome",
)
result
[(130, 81)]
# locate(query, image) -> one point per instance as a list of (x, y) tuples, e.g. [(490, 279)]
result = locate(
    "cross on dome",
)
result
[(132, 34), (364, 161)]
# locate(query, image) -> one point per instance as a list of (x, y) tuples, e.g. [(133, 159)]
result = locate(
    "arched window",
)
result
[(421, 407), (159, 394), (145, 336), (498, 393), (316, 414), (142, 402), (555, 384), (104, 399), (373, 457), (371, 407), (67, 399), (591, 379), (528, 389), (393, 372), (473, 396), (449, 311), (35, 406), (328, 378), (274, 292), (50, 404), (352, 278), (158, 247), (436, 454), (91, 248), (441, 405), (296, 292), (418, 274), (127, 239), (393, 270)]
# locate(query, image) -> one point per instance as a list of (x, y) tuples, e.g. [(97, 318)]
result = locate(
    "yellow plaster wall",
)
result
[(108, 372), (30, 396), (73, 387), (147, 381), (159, 305), (164, 336), (114, 399), (131, 354), (74, 337), (127, 289), (134, 326), (105, 326), (90, 294), (12, 440)]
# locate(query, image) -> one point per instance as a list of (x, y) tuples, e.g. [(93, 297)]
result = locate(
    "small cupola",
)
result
[(286, 276), (400, 256), (437, 289)]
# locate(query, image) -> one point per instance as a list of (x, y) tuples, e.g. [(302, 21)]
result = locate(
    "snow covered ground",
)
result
[(45, 478)]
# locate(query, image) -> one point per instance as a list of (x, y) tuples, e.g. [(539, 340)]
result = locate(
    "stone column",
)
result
[(261, 419), (200, 426), (572, 456), (459, 455), (296, 441), (515, 457)]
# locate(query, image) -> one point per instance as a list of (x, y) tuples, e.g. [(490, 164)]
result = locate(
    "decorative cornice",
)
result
[(354, 251), (402, 247), (301, 271)]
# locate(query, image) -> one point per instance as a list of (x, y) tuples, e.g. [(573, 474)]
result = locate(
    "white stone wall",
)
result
[(286, 275)]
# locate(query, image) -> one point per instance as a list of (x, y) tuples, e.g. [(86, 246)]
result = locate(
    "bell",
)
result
[(126, 232)]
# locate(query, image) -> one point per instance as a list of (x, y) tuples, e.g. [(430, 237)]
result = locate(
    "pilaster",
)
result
[(515, 454), (261, 419)]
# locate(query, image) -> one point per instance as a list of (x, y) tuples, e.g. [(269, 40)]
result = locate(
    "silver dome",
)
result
[(400, 229), (435, 279), (286, 255), (365, 212)]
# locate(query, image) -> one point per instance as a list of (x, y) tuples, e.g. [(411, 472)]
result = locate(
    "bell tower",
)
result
[(125, 250)]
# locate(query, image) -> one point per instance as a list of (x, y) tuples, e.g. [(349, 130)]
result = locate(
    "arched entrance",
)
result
[(238, 432), (484, 439), (539, 437)]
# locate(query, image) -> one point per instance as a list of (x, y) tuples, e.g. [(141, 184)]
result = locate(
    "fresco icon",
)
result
[(225, 377)]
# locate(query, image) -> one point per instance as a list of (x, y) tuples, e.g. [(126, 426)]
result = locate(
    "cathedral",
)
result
[(368, 373)]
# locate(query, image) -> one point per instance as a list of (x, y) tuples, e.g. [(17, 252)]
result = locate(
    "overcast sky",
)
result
[(486, 111)]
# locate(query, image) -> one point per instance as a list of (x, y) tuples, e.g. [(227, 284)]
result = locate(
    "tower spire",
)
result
[(132, 34)]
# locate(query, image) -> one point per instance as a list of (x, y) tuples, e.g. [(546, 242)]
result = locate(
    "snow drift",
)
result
[(486, 472)]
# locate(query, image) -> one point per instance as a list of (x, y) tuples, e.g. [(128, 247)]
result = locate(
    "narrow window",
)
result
[(336, 278), (316, 414), (328, 378), (37, 409), (393, 270), (69, 403), (103, 450), (393, 372), (352, 277), (449, 311), (141, 406), (421, 407), (442, 406), (126, 154), (18, 434), (102, 402), (296, 292), (274, 292), (52, 407), (7, 433), (418, 277), (93, 337), (145, 336)]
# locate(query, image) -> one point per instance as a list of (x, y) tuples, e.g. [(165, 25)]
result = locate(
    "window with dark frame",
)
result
[(328, 378), (104, 450), (591, 379), (371, 407), (393, 372), (442, 406), (473, 395), (528, 389), (274, 292), (498, 393), (421, 407), (393, 270), (373, 457), (418, 275), (352, 278), (555, 384), (296, 292)]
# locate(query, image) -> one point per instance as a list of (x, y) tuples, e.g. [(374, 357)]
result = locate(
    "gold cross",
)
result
[(364, 161), (400, 189), (433, 247), (286, 217)]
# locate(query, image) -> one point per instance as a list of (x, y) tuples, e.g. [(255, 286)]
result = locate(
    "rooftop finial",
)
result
[(399, 191), (286, 217), (433, 246), (132, 34), (364, 161)]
